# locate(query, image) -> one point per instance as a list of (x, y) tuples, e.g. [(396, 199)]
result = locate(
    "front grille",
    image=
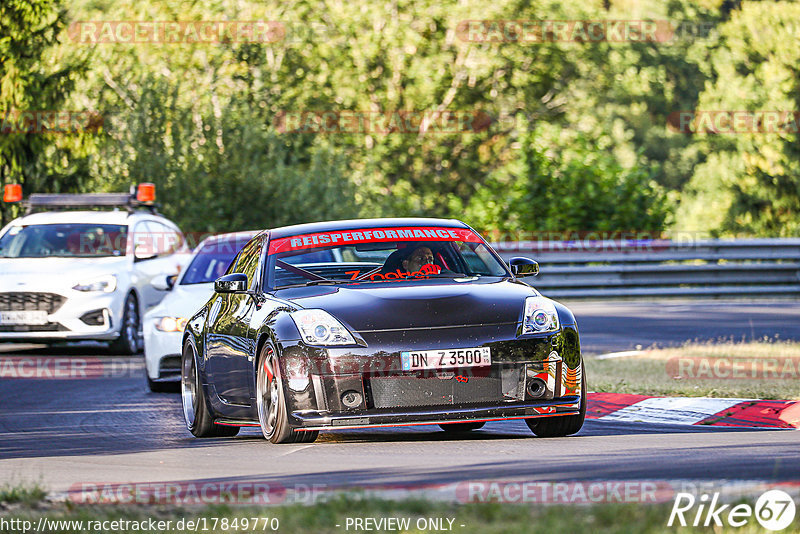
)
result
[(448, 388), (49, 302)]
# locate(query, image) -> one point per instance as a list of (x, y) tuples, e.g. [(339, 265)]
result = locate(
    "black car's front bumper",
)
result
[(315, 420), (391, 397)]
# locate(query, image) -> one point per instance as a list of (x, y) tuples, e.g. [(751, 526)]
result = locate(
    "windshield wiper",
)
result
[(320, 282), (324, 281)]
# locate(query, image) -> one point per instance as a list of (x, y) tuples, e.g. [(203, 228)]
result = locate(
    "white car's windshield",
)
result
[(64, 240), (210, 262), (380, 255)]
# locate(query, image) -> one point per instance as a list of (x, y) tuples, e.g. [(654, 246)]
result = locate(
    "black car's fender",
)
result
[(280, 330), (569, 341), (194, 334)]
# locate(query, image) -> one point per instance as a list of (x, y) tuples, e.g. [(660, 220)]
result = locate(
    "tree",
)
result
[(220, 173), (34, 78), (554, 190), (751, 178)]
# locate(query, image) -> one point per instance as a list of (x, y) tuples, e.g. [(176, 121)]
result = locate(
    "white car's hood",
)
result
[(37, 274), (182, 301)]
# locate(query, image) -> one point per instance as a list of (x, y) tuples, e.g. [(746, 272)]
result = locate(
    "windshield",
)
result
[(380, 255), (211, 262), (64, 240)]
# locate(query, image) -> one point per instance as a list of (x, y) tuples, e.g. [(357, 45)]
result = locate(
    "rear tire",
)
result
[(198, 417), (128, 340), (271, 403), (454, 428), (556, 427)]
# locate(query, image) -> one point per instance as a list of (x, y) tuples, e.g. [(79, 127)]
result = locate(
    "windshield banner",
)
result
[(373, 235)]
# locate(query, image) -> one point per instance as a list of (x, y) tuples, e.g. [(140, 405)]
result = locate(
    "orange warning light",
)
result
[(12, 193)]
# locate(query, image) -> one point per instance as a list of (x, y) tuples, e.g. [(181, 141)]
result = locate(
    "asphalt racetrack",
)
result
[(64, 433)]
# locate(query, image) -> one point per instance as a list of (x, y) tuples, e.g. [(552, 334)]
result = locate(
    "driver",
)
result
[(421, 256)]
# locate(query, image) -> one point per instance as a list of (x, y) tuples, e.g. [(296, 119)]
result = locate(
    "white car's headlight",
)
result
[(106, 284), (171, 324), (318, 327), (540, 316)]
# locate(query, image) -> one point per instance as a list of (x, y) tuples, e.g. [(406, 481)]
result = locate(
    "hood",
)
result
[(437, 303), (20, 274), (183, 301)]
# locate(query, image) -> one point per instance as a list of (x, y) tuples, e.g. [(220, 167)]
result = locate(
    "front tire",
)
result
[(128, 340), (455, 428), (198, 417), (556, 427), (271, 403)]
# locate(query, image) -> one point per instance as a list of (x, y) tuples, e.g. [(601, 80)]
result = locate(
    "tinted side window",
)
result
[(248, 259), (232, 267)]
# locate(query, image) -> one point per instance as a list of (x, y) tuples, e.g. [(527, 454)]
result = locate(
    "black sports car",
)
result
[(379, 322)]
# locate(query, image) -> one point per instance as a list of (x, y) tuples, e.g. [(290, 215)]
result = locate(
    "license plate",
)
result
[(23, 317), (440, 359)]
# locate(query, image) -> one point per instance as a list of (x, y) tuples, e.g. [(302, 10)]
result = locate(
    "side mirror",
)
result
[(231, 283), (523, 267), (164, 282)]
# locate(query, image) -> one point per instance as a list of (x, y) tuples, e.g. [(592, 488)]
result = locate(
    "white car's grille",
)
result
[(49, 302)]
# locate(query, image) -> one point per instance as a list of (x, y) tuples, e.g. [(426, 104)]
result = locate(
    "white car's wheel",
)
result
[(129, 333)]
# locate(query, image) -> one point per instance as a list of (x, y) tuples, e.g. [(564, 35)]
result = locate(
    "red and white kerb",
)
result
[(373, 235)]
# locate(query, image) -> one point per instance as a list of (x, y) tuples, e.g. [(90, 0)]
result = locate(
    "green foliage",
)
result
[(33, 77), (752, 180), (219, 173), (579, 141), (579, 188)]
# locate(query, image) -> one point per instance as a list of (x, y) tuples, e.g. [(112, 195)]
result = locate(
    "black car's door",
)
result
[(229, 338)]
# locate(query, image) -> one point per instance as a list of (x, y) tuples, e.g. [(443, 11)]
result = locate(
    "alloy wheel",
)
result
[(267, 395)]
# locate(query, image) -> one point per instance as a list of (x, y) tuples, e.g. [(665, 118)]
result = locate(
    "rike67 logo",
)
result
[(774, 510)]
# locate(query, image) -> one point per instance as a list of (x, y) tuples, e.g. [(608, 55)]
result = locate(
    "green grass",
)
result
[(27, 494), (485, 518), (651, 373)]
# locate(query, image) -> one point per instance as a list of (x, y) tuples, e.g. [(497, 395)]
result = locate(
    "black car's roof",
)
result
[(357, 224)]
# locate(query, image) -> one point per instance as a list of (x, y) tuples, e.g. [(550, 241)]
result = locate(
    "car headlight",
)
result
[(540, 316), (171, 324), (318, 327), (106, 284)]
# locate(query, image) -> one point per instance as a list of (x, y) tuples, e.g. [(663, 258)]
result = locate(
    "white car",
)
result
[(164, 324), (68, 275)]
